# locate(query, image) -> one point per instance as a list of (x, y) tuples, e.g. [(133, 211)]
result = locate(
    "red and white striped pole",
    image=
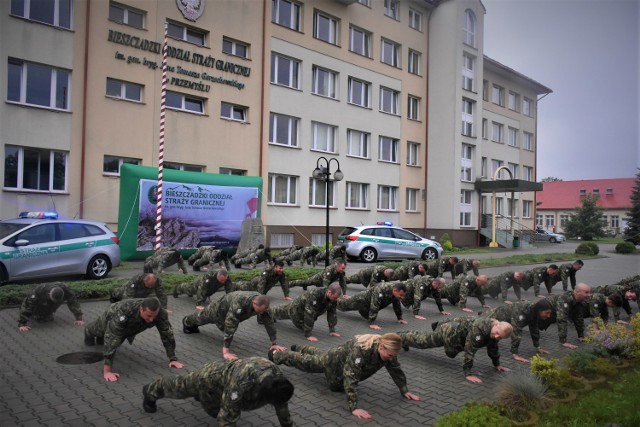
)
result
[(163, 99)]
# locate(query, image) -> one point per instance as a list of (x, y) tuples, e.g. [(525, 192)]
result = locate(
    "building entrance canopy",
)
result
[(504, 185)]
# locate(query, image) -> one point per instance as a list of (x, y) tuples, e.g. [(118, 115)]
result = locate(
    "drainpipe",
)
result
[(426, 121), (262, 81), (83, 146)]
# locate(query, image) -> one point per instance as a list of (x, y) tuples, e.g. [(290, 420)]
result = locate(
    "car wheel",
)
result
[(369, 255), (553, 240), (98, 267), (429, 253)]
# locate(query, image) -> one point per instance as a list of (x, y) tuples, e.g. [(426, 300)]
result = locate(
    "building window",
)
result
[(58, 13), (499, 206), (582, 192), (515, 169), (512, 207), (282, 189), (596, 192), (527, 141), (111, 164), (365, 2), (497, 134), (286, 13), (187, 34), (539, 220), (191, 104), (389, 100), (485, 90), (325, 28), (513, 101), (483, 168), (527, 107), (126, 15), (281, 240), (317, 193), (465, 219), (358, 143), (497, 95), (413, 112), (388, 149), (485, 128), (465, 207), (235, 48), (37, 169), (283, 130), (413, 153), (124, 90), (469, 28), (392, 9), (183, 167), (527, 173), (513, 137), (466, 163), (415, 19), (318, 239), (323, 137), (467, 117), (357, 195), (465, 172), (390, 53), (233, 112), (465, 197), (527, 208), (495, 165), (360, 41), (324, 82), (387, 198), (231, 171), (614, 221), (468, 75), (285, 71), (564, 218), (549, 221), (414, 62), (36, 84), (359, 93), (411, 204)]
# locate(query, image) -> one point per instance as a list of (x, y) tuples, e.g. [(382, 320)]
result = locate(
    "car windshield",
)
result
[(7, 228)]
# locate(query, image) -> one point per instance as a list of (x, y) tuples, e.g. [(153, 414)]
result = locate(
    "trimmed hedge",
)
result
[(625, 248)]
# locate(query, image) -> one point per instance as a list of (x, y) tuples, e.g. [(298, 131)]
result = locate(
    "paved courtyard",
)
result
[(38, 391)]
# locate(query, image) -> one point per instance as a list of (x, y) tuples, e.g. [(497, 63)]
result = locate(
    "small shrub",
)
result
[(445, 238), (613, 338), (625, 248), (635, 335), (521, 391), (604, 366), (475, 414), (546, 370), (580, 361), (584, 249), (447, 246), (594, 247)]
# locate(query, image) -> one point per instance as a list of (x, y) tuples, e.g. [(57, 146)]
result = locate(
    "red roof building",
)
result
[(559, 199)]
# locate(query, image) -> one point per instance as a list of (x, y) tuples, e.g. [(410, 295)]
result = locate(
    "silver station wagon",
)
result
[(384, 241), (38, 244)]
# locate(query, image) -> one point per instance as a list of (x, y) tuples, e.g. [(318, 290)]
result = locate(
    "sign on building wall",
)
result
[(198, 209)]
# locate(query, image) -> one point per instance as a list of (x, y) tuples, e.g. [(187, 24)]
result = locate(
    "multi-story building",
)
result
[(264, 88)]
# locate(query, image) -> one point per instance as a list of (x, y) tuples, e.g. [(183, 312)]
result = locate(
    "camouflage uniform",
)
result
[(463, 266), (199, 253), (40, 306), (212, 256), (418, 289), (631, 283), (227, 313), (535, 277), (264, 282), (466, 334), (122, 321), (444, 266), (289, 250), (336, 252), (292, 256), (162, 259), (567, 308), (203, 287), (520, 314), (596, 307), (400, 273), (261, 255), (370, 302), (609, 290), (501, 284), (243, 254), (323, 279), (135, 288), (343, 366), (365, 275), (224, 389), (309, 255), (414, 269), (565, 274), (468, 287), (378, 276), (306, 309)]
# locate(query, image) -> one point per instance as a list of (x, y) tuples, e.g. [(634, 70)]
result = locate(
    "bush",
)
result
[(475, 414), (580, 361), (614, 339), (445, 238), (625, 248), (520, 391), (635, 334), (594, 247), (447, 246), (604, 366), (584, 248)]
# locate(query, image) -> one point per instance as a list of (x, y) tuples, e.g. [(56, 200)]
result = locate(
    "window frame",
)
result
[(497, 132), (126, 10), (232, 109), (189, 33), (365, 92), (393, 149), (293, 66), (331, 91), (293, 132), (415, 19), (395, 59), (185, 167), (124, 85), (291, 191), (392, 9), (527, 141), (411, 200), (414, 58), (333, 36), (42, 162), (331, 134), (497, 95), (391, 196), (55, 20), (469, 28), (184, 99), (512, 138), (235, 44), (121, 161), (468, 126), (26, 85), (294, 14), (527, 106), (468, 73), (313, 193), (363, 143), (360, 192), (367, 38), (413, 154), (393, 101), (413, 107), (513, 101)]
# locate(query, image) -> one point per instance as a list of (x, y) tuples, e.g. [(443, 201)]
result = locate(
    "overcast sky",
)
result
[(586, 51)]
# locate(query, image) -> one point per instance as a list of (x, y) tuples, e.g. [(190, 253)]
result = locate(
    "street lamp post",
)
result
[(323, 173)]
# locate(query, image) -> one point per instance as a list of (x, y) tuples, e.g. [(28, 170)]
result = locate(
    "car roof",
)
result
[(37, 220)]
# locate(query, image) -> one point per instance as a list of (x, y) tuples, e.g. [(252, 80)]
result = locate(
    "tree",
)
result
[(632, 232), (551, 179), (588, 221)]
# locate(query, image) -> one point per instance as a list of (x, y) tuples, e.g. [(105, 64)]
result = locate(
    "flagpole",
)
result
[(163, 99)]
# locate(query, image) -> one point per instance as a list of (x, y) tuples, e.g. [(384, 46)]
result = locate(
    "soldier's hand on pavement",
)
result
[(402, 321), (176, 364), (501, 368), (25, 328), (312, 339), (417, 316), (468, 310), (229, 356), (486, 306), (362, 414), (622, 322), (540, 296), (199, 307), (411, 396), (288, 299), (520, 359), (334, 334), (543, 351), (508, 302), (79, 322), (111, 376), (278, 348), (474, 379), (445, 313), (570, 346), (347, 297), (168, 311), (376, 327)]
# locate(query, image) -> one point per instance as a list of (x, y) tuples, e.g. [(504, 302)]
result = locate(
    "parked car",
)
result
[(384, 241), (547, 236), (38, 244)]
